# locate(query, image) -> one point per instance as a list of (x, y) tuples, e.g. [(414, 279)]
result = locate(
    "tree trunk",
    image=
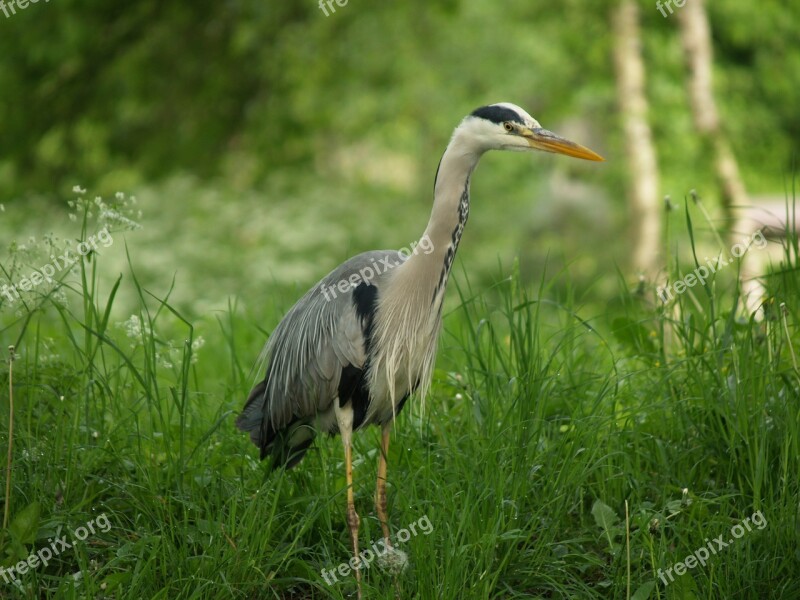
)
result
[(643, 187), (697, 47), (696, 39)]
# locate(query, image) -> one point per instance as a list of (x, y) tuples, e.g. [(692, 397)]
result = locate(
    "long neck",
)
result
[(410, 311), (448, 216)]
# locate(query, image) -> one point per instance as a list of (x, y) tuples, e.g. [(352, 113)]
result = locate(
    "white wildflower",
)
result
[(196, 345), (133, 327), (60, 297), (115, 217)]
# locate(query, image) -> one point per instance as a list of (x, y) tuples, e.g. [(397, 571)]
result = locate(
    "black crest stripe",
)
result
[(497, 114)]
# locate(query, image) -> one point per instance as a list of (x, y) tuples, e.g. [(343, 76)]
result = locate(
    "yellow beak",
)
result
[(542, 139)]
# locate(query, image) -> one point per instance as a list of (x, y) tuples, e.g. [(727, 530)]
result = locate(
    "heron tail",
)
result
[(253, 414), (287, 445)]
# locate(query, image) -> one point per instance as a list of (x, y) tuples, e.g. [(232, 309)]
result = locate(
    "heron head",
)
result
[(506, 126)]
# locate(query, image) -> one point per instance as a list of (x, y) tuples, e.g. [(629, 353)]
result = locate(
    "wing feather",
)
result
[(320, 336)]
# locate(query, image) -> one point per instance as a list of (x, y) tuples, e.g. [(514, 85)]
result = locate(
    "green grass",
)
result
[(566, 450)]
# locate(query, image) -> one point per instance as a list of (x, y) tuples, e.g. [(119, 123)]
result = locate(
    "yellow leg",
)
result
[(352, 516), (380, 495), (344, 417), (380, 492)]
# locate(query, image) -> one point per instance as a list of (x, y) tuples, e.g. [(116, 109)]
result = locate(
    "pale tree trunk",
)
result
[(698, 51), (696, 39), (645, 205)]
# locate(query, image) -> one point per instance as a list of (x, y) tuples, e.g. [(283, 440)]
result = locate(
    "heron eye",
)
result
[(508, 126)]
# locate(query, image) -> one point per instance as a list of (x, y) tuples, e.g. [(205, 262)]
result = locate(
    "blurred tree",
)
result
[(110, 95), (697, 45), (643, 192), (96, 90)]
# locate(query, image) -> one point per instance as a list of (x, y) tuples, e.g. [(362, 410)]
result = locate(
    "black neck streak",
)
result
[(463, 215)]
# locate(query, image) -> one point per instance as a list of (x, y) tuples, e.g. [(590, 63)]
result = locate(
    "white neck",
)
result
[(409, 318), (449, 213)]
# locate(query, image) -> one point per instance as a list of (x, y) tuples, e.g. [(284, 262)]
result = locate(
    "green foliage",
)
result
[(111, 97)]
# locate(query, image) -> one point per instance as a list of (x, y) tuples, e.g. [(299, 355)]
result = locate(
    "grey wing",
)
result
[(322, 335)]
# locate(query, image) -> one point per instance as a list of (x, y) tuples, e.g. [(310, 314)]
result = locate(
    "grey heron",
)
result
[(341, 360)]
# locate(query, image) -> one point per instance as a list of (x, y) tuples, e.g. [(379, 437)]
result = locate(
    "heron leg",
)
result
[(380, 492), (380, 495), (352, 516), (345, 418)]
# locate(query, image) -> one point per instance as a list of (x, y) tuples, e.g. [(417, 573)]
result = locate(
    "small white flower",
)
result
[(78, 189), (60, 297), (133, 327), (198, 343), (113, 216), (119, 196)]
